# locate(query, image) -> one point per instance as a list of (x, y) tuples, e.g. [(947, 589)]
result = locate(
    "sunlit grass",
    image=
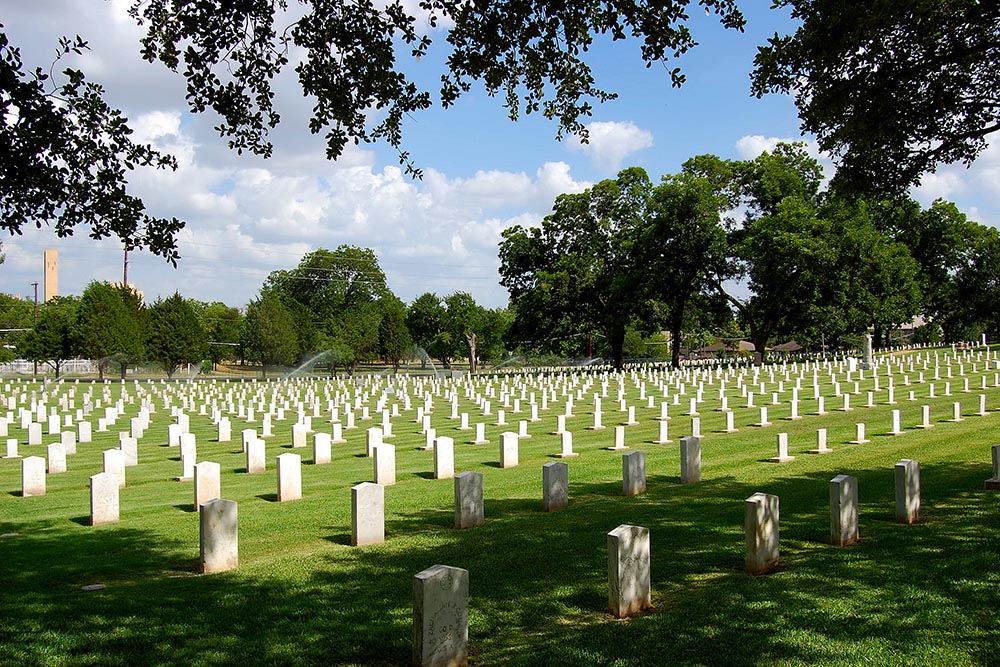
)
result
[(920, 594)]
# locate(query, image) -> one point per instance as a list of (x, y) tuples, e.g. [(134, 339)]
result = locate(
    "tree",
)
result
[(222, 325), (425, 321), (358, 331), (876, 278), (176, 336), (65, 154), (268, 336), (329, 282), (784, 249), (464, 321), (15, 320), (523, 52), (891, 89), (52, 340), (393, 337), (683, 245), (579, 272), (109, 325)]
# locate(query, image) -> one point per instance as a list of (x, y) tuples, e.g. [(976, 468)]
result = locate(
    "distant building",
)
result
[(51, 275)]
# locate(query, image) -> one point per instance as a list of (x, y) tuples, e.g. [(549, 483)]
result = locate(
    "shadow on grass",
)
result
[(920, 594)]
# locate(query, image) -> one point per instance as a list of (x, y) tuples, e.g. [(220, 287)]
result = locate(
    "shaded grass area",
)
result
[(921, 594)]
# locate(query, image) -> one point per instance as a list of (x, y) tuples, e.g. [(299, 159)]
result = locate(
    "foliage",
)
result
[(53, 338), (268, 336), (683, 244), (393, 337), (578, 272), (891, 89), (425, 320), (358, 331), (176, 336), (65, 154), (333, 297), (109, 322), (530, 54), (16, 318), (222, 325), (329, 282)]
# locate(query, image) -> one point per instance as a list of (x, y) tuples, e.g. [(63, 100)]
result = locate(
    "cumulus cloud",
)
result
[(611, 142)]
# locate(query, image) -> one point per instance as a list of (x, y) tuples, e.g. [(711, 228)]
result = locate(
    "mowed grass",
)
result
[(906, 594)]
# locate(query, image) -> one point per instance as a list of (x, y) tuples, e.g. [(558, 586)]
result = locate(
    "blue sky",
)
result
[(247, 216)]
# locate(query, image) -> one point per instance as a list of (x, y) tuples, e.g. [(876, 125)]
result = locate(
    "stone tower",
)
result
[(51, 273)]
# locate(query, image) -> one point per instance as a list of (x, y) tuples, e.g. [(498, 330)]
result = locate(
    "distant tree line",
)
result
[(334, 311), (756, 248)]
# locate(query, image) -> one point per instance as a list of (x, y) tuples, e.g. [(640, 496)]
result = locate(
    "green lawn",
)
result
[(919, 594)]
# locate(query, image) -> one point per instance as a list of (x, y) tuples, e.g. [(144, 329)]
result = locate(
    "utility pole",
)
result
[(35, 321), (125, 270)]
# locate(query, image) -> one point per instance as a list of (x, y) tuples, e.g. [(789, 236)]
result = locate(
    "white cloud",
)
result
[(611, 142)]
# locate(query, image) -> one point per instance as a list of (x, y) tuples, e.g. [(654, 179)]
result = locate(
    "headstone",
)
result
[(896, 429), (219, 535), (373, 438), (225, 430), (567, 446), (761, 527), (322, 450), (290, 477), (189, 444), (782, 456), (628, 570), (68, 440), (256, 456), (664, 435), (441, 617), (34, 433), (859, 438), (130, 451), (555, 486), (384, 464), (12, 449), (247, 435), (994, 482), (207, 483), (821, 447), (444, 458), (907, 491), (469, 500), (508, 449), (367, 514), (56, 458), (103, 498), (843, 510), (32, 476), (114, 464), (619, 439), (690, 459), (299, 432), (84, 432), (633, 473)]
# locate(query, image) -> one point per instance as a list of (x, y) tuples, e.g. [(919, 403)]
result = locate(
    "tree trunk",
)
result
[(471, 339), (616, 338), (675, 340)]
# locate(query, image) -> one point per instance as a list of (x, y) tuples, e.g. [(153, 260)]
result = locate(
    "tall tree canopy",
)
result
[(175, 336), (530, 54), (53, 338), (65, 154), (577, 274), (890, 87), (110, 323)]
